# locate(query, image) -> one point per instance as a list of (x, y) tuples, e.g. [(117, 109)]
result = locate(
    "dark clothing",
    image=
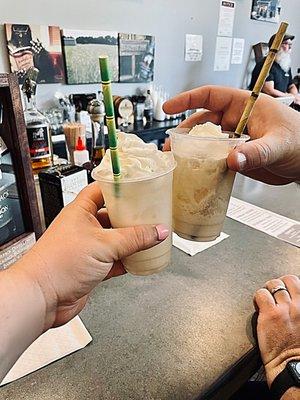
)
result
[(253, 391), (282, 80)]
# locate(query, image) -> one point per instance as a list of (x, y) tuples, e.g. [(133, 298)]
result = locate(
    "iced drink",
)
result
[(143, 196), (202, 181)]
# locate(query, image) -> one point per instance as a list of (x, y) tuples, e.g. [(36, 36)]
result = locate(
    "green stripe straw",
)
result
[(110, 116)]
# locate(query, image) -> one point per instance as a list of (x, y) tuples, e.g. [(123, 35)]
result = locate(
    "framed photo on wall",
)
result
[(35, 46), (81, 53), (136, 54), (20, 222), (266, 10)]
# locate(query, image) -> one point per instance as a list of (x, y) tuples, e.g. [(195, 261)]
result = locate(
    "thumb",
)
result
[(256, 154), (127, 241)]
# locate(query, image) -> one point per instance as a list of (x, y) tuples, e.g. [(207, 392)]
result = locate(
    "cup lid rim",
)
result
[(185, 131)]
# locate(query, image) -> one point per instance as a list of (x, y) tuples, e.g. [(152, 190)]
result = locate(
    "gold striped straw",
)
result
[(261, 78), (110, 116)]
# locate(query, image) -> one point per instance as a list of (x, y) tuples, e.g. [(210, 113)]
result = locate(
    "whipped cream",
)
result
[(208, 130), (137, 159)]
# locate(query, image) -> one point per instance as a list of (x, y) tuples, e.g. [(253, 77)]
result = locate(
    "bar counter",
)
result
[(182, 334)]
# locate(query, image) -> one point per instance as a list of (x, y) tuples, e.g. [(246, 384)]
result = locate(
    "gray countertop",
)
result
[(172, 335)]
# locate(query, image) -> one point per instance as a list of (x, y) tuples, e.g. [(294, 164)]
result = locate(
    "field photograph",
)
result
[(82, 50)]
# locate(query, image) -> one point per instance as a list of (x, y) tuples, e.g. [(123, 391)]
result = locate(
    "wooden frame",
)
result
[(13, 132)]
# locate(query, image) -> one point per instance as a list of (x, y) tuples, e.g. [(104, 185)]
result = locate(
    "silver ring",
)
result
[(277, 289)]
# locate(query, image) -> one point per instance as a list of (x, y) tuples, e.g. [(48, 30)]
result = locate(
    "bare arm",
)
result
[(22, 314), (293, 89), (269, 89), (50, 285)]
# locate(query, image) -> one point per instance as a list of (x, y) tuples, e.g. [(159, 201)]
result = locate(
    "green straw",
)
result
[(110, 117)]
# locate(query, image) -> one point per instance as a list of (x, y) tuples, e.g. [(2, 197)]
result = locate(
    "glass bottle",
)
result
[(149, 107), (37, 125)]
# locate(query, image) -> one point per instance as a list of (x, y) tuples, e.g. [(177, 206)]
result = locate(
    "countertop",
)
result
[(173, 335)]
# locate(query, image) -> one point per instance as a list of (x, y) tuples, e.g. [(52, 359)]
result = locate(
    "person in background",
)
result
[(51, 283), (279, 82)]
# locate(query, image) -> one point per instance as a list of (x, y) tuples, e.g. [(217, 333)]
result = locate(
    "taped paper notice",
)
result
[(226, 18), (266, 221)]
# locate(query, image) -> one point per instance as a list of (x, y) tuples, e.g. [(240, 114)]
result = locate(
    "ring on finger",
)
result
[(277, 289)]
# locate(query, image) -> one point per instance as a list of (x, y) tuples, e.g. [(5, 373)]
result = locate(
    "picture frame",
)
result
[(20, 223), (266, 10)]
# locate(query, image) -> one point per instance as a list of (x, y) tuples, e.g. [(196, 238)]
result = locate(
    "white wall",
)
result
[(168, 20)]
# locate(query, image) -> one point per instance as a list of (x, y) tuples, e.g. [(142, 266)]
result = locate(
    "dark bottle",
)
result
[(96, 111), (37, 125), (149, 107)]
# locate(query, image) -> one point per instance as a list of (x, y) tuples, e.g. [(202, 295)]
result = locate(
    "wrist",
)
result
[(36, 270), (22, 314), (276, 366)]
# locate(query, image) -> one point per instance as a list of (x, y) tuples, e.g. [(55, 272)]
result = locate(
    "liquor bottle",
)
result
[(149, 107), (37, 125), (96, 111)]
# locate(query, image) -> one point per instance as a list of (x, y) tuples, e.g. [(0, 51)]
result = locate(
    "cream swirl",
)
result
[(208, 130), (137, 159)]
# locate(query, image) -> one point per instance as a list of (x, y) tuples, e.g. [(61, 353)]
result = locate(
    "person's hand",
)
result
[(278, 326), (273, 155), (78, 251), (297, 99)]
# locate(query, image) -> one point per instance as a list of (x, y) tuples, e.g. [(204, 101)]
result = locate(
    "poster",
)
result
[(237, 51), (223, 52), (136, 55), (35, 46), (82, 49), (226, 18), (268, 11), (193, 47)]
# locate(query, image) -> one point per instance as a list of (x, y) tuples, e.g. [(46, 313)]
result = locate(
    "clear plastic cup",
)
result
[(202, 183), (142, 201)]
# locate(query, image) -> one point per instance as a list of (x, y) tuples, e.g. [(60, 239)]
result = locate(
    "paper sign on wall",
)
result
[(223, 52), (226, 18), (193, 47), (237, 51)]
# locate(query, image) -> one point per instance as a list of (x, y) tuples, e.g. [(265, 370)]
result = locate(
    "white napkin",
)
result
[(51, 346), (190, 247)]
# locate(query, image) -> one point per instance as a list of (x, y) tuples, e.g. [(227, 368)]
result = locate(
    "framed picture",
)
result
[(82, 50), (266, 10), (19, 216), (38, 46), (136, 55)]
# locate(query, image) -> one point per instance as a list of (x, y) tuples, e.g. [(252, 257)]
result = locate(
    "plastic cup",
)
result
[(202, 184), (142, 201)]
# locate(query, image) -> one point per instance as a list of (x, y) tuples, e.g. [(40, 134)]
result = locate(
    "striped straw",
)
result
[(110, 116), (261, 78)]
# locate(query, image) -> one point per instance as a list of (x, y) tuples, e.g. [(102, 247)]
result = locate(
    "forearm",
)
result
[(291, 394), (293, 90), (276, 93), (22, 314)]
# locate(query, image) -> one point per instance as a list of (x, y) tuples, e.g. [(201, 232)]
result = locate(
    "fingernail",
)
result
[(242, 161), (162, 232)]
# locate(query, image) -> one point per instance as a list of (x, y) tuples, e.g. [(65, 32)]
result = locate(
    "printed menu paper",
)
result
[(51, 346), (237, 51), (222, 55), (266, 221), (193, 47), (226, 18)]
